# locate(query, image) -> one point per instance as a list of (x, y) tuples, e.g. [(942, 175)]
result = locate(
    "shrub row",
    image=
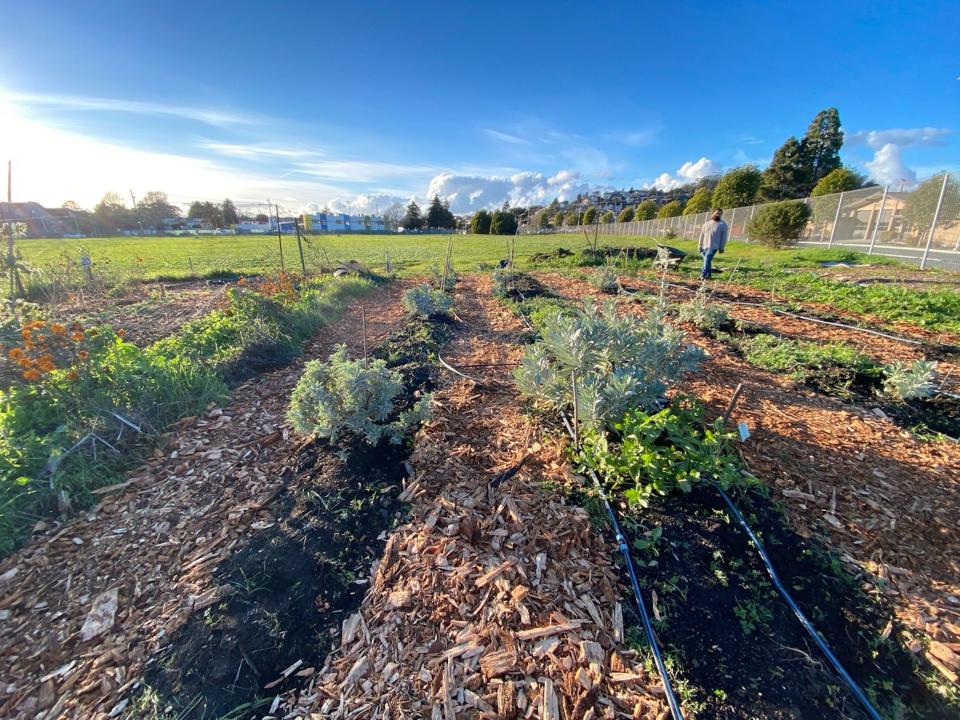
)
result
[(76, 427)]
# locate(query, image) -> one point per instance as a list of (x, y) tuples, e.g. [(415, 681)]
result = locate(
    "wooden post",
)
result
[(279, 237), (733, 402), (576, 411), (303, 264), (363, 330)]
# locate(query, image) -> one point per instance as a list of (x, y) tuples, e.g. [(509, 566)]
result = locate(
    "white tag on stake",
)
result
[(744, 431)]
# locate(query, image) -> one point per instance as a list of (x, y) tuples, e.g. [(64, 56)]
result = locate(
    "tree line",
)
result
[(152, 212)]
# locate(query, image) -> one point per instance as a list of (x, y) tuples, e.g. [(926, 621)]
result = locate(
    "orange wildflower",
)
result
[(46, 364), (77, 336), (31, 375), (121, 333), (83, 354), (58, 329), (72, 375), (16, 354)]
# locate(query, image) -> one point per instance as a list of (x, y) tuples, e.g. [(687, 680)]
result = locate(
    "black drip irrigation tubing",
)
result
[(638, 595), (648, 628), (807, 625)]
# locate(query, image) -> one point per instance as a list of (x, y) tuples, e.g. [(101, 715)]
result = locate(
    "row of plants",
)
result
[(83, 409), (657, 459)]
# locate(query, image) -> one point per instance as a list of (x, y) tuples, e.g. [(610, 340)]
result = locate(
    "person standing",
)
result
[(713, 239)]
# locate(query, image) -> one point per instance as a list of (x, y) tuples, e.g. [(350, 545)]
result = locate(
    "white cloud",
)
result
[(506, 137), (689, 172), (257, 152), (362, 170), (210, 116), (467, 193), (887, 165)]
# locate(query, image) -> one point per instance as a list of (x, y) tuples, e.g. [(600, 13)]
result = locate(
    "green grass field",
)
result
[(178, 257)]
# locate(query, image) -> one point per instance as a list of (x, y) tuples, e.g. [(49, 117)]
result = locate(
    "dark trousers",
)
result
[(707, 264)]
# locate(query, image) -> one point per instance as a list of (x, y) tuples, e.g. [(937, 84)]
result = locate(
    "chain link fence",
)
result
[(919, 222)]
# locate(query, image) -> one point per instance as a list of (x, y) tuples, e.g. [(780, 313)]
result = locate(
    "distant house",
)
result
[(342, 223)]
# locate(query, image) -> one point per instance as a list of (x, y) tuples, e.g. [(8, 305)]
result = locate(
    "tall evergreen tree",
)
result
[(412, 219), (480, 223), (821, 145), (439, 215), (788, 175), (229, 212)]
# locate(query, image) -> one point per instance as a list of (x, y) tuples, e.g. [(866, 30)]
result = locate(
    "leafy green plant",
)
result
[(906, 381), (502, 281), (801, 359), (605, 279), (620, 362), (660, 452), (702, 313), (426, 302), (441, 280), (340, 394)]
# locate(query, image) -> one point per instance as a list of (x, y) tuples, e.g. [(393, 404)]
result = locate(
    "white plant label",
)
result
[(744, 431)]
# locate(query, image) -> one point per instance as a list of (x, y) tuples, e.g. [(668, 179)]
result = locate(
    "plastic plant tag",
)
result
[(744, 431)]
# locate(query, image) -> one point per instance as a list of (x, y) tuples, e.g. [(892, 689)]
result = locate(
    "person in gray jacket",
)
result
[(713, 239)]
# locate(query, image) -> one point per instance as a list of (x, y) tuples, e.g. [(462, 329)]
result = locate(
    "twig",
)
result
[(733, 402), (452, 369)]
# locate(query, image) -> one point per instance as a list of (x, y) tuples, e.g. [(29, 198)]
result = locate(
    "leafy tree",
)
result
[(205, 210), (261, 218), (558, 219), (778, 224), (572, 218), (72, 206), (607, 217), (920, 205), (480, 223), (503, 222), (155, 207), (839, 180), (699, 202), (821, 145), (439, 215), (412, 220), (543, 219), (737, 188), (111, 213), (229, 212), (671, 209), (788, 175), (626, 215), (589, 217), (646, 210)]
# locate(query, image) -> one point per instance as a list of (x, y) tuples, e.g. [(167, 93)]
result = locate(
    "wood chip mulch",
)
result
[(884, 500), (85, 603), (497, 599)]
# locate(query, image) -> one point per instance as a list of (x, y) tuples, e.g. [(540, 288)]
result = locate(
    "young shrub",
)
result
[(339, 395), (439, 281), (621, 363), (502, 282), (605, 279), (426, 302), (701, 312), (661, 452), (906, 381), (778, 224)]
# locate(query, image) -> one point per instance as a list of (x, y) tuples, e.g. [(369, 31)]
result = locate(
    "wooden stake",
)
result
[(363, 326), (576, 411), (733, 402), (279, 237), (303, 265)]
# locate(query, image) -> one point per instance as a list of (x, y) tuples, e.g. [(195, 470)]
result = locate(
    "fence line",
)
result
[(921, 224)]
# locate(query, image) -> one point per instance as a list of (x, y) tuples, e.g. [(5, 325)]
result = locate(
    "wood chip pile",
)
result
[(494, 600)]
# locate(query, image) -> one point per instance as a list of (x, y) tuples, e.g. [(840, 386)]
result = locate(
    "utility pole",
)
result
[(136, 209)]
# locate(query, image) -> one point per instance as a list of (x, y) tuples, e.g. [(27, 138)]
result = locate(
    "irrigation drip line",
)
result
[(638, 595), (807, 625)]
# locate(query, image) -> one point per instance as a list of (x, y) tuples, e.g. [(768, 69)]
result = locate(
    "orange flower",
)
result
[(58, 329), (34, 325), (16, 354), (77, 336), (83, 354), (72, 375), (25, 362), (46, 364), (121, 333), (25, 334), (31, 375)]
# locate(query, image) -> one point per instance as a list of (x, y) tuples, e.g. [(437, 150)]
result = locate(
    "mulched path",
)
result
[(884, 500), (497, 599), (154, 539)]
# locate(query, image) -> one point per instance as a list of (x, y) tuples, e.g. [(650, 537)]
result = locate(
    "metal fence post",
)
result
[(936, 216), (876, 225), (836, 218)]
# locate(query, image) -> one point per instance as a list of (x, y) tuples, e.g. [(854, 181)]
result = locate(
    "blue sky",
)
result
[(357, 105)]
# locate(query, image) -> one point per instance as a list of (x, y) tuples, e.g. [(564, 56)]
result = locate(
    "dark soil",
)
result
[(740, 651), (525, 287), (294, 583)]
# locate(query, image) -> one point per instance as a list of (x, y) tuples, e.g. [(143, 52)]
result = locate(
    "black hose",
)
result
[(807, 625), (644, 616)]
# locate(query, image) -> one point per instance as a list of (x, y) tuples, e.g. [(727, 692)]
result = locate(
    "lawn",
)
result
[(173, 257)]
